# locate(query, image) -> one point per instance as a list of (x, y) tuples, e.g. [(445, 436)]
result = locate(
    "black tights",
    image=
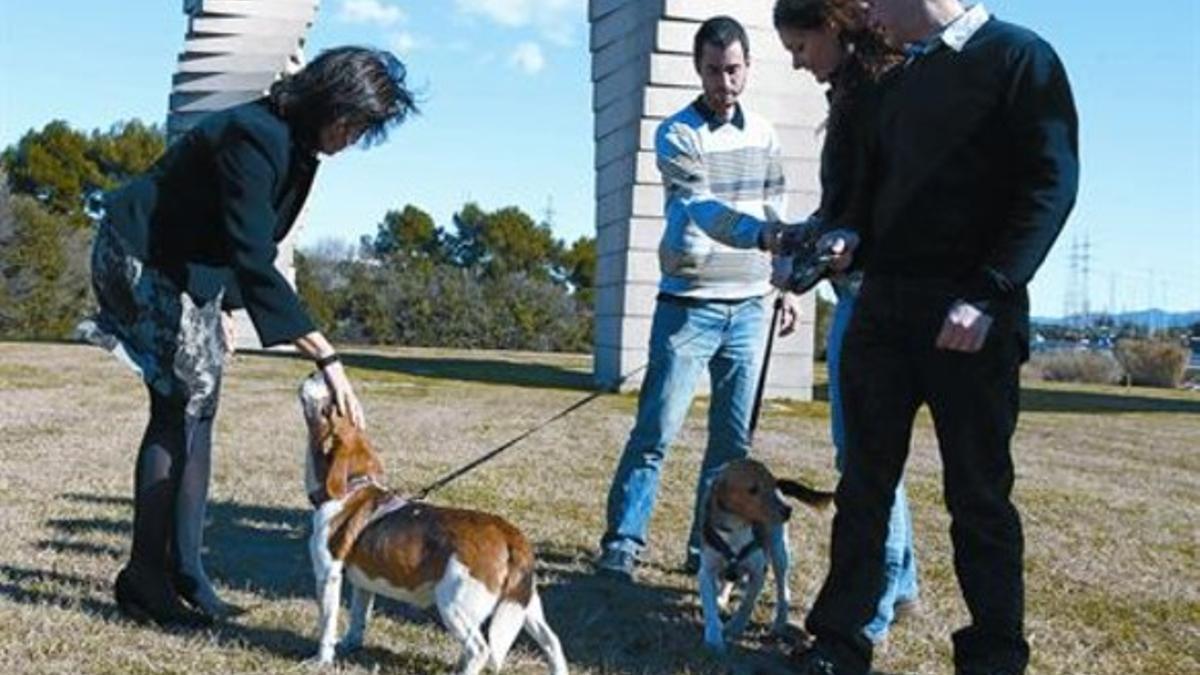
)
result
[(171, 487)]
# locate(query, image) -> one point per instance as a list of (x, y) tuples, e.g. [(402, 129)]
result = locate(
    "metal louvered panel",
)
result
[(233, 51)]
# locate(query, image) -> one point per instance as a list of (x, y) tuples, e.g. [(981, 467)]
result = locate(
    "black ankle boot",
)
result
[(145, 595), (204, 601)]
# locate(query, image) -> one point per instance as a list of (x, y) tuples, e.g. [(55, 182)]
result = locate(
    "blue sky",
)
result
[(507, 116)]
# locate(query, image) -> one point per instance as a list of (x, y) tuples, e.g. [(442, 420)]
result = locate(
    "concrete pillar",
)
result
[(233, 51), (642, 72)]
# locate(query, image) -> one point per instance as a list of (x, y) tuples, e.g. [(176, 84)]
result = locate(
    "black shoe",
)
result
[(205, 601), (147, 597), (812, 661), (615, 563)]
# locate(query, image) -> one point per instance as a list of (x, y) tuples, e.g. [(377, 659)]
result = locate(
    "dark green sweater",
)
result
[(211, 211)]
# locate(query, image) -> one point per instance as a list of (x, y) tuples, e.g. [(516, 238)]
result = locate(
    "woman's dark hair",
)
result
[(362, 85), (866, 47), (720, 32)]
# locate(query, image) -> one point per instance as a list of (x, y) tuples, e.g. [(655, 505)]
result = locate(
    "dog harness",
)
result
[(320, 496), (734, 559)]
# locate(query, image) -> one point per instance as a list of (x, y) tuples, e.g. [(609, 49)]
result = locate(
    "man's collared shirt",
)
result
[(954, 35), (716, 121)]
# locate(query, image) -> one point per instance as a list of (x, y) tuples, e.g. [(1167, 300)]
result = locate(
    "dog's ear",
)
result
[(340, 425), (343, 538), (339, 452), (337, 479), (800, 492)]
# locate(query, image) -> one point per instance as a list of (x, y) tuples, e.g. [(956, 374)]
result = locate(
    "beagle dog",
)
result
[(472, 566), (744, 525)]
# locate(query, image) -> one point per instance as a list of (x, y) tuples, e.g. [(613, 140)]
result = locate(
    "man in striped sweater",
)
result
[(724, 184)]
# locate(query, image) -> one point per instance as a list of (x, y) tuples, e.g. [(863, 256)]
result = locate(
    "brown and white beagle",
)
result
[(744, 524), (472, 566)]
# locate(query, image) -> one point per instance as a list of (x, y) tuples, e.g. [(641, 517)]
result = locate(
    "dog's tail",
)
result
[(801, 492)]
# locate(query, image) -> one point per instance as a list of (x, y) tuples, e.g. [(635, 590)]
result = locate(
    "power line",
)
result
[(1087, 262), (1071, 290)]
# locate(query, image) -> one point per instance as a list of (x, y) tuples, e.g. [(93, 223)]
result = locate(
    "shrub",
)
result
[(44, 289), (392, 302), (1153, 363), (1077, 366)]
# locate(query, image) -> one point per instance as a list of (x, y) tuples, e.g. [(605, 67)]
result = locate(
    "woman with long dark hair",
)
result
[(831, 39), (192, 239)]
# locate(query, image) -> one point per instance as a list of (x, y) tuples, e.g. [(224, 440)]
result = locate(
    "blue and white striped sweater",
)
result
[(719, 181)]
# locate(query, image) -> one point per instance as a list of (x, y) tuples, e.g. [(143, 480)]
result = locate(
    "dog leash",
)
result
[(440, 483), (443, 481), (762, 376)]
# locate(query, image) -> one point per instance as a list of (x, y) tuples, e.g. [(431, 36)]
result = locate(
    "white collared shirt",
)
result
[(954, 35), (959, 31)]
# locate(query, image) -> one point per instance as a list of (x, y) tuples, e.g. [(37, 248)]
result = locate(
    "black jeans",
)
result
[(890, 368)]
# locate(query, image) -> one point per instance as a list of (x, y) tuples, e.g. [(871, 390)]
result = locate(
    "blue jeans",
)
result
[(900, 565), (686, 338)]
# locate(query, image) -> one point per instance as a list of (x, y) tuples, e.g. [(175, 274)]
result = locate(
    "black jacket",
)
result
[(852, 98), (211, 211)]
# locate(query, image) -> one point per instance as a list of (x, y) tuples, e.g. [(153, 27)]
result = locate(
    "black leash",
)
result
[(762, 376), (441, 482), (453, 475)]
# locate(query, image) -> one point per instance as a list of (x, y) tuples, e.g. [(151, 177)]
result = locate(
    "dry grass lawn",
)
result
[(1108, 485)]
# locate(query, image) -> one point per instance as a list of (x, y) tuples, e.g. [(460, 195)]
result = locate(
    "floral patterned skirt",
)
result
[(154, 327)]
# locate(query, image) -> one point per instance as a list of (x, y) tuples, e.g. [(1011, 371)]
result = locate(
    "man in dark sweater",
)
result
[(972, 170)]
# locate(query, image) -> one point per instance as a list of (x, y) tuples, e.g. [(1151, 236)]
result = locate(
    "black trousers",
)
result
[(890, 368)]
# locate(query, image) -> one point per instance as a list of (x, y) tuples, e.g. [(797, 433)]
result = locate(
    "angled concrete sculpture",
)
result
[(233, 51), (642, 72)]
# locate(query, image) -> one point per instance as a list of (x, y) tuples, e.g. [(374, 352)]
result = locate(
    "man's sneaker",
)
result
[(616, 564), (906, 608)]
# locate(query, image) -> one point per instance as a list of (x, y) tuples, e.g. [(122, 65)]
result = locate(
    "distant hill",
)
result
[(1155, 318)]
